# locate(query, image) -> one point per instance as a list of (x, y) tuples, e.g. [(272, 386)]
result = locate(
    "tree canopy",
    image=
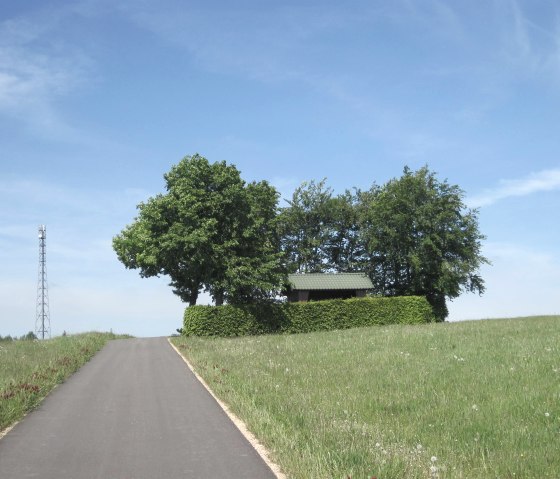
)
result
[(210, 232), (319, 231), (303, 228), (213, 232), (421, 239), (412, 236)]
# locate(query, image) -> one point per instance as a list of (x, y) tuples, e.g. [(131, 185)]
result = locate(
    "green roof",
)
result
[(327, 281)]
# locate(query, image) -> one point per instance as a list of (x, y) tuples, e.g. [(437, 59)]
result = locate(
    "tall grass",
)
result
[(477, 399), (30, 369)]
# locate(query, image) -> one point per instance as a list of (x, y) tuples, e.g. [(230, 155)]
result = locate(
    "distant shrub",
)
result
[(327, 315)]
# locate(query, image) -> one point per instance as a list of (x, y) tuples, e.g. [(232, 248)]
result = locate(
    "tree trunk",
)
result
[(193, 297), (439, 306), (219, 298)]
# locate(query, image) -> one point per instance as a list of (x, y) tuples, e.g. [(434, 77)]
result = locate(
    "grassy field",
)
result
[(478, 399), (30, 369)]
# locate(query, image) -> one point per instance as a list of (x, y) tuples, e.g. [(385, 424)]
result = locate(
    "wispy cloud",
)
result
[(80, 225), (546, 180), (266, 44), (530, 45), (29, 198), (304, 47), (36, 71)]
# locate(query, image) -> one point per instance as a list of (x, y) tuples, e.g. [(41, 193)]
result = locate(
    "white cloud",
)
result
[(35, 71), (546, 180)]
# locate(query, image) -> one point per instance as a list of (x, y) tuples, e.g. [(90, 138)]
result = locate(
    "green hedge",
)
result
[(327, 315)]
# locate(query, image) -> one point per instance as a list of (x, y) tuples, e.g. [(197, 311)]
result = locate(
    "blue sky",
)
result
[(98, 99)]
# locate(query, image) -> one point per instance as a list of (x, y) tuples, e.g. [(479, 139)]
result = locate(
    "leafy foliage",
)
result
[(30, 336), (320, 232), (421, 239), (230, 320), (210, 230), (304, 228), (344, 250), (413, 236), (253, 268)]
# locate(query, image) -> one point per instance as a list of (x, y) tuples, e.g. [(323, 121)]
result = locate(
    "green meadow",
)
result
[(30, 369), (476, 399)]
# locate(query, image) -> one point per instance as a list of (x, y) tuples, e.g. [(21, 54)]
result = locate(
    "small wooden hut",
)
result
[(320, 286)]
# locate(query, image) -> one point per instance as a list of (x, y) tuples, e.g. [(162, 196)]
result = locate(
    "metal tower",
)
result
[(43, 320)]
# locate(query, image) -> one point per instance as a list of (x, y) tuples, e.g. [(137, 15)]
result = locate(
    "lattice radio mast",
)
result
[(43, 321)]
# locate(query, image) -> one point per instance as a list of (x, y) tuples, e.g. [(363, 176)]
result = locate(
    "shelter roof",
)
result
[(329, 281)]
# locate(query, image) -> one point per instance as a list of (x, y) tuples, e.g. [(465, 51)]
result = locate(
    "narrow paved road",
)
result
[(134, 411)]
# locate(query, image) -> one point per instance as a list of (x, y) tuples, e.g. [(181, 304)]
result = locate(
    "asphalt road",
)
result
[(134, 411)]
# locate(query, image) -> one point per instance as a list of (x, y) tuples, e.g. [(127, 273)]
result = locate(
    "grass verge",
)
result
[(452, 400), (30, 369)]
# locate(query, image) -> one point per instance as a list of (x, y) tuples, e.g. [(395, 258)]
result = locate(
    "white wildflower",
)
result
[(418, 447), (474, 407), (433, 459), (547, 414)]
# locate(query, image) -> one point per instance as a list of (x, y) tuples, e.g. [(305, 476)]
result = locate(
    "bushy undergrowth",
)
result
[(30, 369), (327, 315), (477, 399)]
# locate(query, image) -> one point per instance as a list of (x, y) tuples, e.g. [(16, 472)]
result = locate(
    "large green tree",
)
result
[(304, 229), (343, 247), (320, 232), (421, 239), (209, 231), (254, 270)]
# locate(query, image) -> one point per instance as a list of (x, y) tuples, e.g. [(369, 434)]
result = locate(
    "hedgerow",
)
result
[(269, 318)]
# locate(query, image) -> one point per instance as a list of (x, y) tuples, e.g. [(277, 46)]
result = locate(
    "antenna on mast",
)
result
[(43, 320)]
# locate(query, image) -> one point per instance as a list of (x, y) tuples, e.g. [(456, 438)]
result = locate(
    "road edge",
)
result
[(6, 430), (239, 424)]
